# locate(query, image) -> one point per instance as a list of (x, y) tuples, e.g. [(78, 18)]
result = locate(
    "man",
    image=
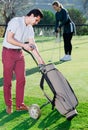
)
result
[(64, 21), (19, 31)]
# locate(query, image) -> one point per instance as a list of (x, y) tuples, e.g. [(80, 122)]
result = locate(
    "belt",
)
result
[(12, 49)]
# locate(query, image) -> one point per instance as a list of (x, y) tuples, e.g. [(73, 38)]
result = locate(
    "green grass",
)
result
[(76, 72)]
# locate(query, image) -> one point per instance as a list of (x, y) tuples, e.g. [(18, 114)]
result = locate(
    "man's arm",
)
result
[(37, 56), (10, 39), (35, 51)]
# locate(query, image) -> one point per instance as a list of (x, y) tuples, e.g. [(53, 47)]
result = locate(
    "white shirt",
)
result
[(22, 33)]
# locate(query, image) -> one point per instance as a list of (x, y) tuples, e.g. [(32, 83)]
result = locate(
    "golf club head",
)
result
[(34, 111)]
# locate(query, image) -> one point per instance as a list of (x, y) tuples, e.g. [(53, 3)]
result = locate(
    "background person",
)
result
[(19, 30), (63, 20)]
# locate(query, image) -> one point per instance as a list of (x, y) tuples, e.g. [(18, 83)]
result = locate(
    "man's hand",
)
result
[(29, 46), (41, 67), (58, 30), (32, 46)]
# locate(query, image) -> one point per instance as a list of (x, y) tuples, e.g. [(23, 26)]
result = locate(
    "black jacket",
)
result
[(63, 20)]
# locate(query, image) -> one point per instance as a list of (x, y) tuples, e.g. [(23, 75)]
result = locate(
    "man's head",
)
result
[(34, 16), (36, 12)]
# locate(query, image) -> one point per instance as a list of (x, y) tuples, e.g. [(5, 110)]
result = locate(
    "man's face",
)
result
[(34, 20)]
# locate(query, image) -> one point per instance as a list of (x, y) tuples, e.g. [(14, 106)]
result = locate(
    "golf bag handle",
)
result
[(31, 56)]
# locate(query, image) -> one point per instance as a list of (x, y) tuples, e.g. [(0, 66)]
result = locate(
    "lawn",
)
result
[(76, 72)]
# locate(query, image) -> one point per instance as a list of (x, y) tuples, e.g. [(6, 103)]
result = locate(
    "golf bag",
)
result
[(64, 99)]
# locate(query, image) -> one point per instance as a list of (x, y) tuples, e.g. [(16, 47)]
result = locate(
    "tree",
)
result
[(7, 10), (49, 17), (77, 16), (79, 19), (11, 8)]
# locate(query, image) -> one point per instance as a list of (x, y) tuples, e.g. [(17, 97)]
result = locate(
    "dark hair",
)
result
[(36, 12)]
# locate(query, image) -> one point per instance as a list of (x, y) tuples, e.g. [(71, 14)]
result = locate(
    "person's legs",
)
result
[(19, 70), (67, 46), (8, 65), (20, 80), (67, 43)]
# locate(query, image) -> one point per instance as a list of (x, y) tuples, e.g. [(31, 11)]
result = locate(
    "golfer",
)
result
[(19, 31), (64, 21)]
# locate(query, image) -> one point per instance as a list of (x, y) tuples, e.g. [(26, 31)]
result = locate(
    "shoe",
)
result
[(9, 109), (66, 58), (22, 107)]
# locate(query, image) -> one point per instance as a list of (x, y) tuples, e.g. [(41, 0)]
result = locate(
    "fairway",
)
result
[(75, 71)]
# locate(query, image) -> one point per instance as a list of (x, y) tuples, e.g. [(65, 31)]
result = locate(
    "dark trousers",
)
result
[(67, 37)]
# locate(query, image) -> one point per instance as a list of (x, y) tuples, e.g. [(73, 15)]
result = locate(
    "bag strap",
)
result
[(42, 82), (42, 87)]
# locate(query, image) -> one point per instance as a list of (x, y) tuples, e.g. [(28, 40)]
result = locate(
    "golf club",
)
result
[(57, 40)]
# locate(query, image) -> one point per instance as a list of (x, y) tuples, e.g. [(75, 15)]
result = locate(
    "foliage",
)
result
[(7, 10), (83, 30), (79, 19), (77, 16), (49, 17), (2, 29)]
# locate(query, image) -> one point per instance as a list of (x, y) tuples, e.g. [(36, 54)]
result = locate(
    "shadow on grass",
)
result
[(30, 72), (59, 62), (53, 118), (1, 82), (26, 124), (63, 126), (5, 118), (36, 69), (47, 122)]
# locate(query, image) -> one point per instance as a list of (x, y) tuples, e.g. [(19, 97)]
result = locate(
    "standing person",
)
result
[(19, 30), (63, 20)]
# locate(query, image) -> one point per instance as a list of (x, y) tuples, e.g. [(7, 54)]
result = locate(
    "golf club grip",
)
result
[(31, 56)]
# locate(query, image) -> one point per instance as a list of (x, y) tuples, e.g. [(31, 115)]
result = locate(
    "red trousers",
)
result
[(13, 62)]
